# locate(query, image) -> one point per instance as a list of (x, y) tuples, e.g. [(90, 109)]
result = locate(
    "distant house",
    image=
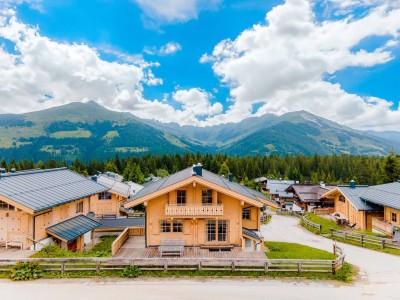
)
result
[(134, 187), (349, 204), (110, 201), (202, 209), (277, 190), (309, 196), (39, 207)]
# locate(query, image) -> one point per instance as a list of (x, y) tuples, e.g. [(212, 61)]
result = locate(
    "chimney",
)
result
[(353, 184), (198, 169), (94, 178), (2, 171), (322, 184), (230, 177), (13, 170), (98, 173)]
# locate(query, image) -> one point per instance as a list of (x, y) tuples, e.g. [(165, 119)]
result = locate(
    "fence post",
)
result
[(62, 267), (199, 266), (331, 229), (98, 267), (299, 267), (383, 243), (165, 267), (266, 267), (362, 240), (334, 248), (233, 266)]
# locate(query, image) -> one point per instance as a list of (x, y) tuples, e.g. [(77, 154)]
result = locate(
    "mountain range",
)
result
[(88, 131)]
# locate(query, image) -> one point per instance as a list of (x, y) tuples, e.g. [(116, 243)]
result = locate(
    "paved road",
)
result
[(380, 279), (375, 267)]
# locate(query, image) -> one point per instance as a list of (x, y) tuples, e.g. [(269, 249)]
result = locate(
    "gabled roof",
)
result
[(42, 189), (278, 187), (206, 175), (310, 193), (384, 194), (71, 229), (114, 185), (353, 195)]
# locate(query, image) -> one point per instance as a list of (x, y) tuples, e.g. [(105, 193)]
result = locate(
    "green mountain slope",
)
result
[(89, 131)]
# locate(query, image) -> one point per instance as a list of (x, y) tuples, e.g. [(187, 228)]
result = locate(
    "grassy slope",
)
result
[(281, 250)]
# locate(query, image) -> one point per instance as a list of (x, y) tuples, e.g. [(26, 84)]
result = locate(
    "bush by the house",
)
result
[(26, 271)]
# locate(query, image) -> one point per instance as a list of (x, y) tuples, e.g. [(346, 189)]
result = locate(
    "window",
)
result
[(217, 230), (206, 197), (246, 214), (105, 196), (181, 197), (394, 217), (177, 226), (165, 226), (342, 198), (6, 206), (79, 207)]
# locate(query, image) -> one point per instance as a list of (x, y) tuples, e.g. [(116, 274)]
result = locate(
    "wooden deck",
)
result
[(134, 247)]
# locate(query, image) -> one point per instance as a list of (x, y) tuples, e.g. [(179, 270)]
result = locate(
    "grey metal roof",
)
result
[(121, 222), (384, 194), (206, 175), (42, 189), (114, 185), (354, 194), (73, 228), (278, 187), (310, 193), (251, 233)]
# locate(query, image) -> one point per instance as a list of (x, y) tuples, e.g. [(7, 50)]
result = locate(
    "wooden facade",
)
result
[(201, 213), (21, 223)]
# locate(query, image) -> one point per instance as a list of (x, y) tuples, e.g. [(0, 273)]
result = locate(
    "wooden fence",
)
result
[(364, 239), (311, 224), (288, 213), (324, 211), (121, 239), (99, 264)]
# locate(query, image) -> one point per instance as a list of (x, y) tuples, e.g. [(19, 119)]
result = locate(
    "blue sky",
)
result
[(205, 80)]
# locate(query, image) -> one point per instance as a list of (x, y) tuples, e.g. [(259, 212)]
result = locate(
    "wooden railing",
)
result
[(98, 264), (382, 226), (324, 211), (194, 210), (311, 224), (366, 240), (121, 239)]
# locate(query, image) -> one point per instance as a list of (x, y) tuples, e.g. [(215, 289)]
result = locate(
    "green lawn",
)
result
[(325, 223), (281, 250), (101, 249)]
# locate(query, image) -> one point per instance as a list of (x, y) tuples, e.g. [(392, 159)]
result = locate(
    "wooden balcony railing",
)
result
[(194, 210), (382, 226)]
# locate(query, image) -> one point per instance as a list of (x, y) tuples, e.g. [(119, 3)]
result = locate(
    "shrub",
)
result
[(26, 271), (131, 272)]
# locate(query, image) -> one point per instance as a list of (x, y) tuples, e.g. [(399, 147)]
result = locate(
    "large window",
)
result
[(394, 217), (246, 214), (181, 197), (206, 197), (105, 196), (217, 231), (79, 207), (6, 206), (171, 226)]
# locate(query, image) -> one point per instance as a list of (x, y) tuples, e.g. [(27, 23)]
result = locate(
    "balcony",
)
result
[(382, 226), (172, 210)]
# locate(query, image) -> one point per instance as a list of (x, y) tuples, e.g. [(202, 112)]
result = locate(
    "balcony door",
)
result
[(216, 231), (181, 197)]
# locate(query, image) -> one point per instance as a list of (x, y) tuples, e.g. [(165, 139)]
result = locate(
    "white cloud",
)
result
[(167, 49), (159, 12), (284, 64)]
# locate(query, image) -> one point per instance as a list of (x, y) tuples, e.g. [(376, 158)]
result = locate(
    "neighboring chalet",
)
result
[(369, 208), (307, 197), (39, 207), (110, 203), (277, 190), (203, 209)]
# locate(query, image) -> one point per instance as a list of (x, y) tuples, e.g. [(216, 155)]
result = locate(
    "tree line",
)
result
[(334, 169)]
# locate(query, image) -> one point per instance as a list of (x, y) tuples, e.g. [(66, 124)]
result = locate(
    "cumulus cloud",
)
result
[(167, 49), (159, 12), (284, 65)]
